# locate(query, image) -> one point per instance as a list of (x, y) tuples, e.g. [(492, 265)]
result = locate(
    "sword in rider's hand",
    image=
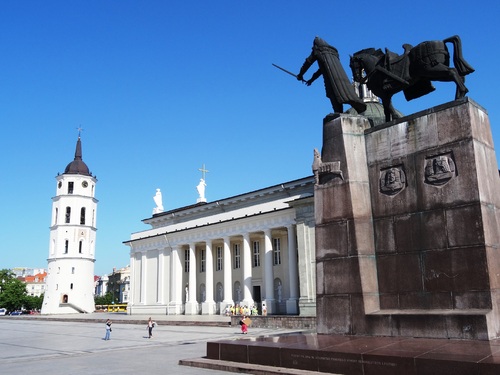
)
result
[(287, 71)]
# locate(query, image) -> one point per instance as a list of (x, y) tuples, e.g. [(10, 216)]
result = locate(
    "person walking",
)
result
[(151, 325), (244, 327), (108, 329)]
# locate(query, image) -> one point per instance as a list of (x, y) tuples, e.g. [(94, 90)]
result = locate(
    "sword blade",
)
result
[(286, 71)]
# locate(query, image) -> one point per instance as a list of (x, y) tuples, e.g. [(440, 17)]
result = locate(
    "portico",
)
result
[(241, 251)]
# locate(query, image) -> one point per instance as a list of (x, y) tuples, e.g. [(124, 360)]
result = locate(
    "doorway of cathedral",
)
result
[(257, 299)]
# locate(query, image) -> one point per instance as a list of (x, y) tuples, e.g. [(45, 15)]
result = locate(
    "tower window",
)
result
[(80, 246), (82, 216), (68, 214), (71, 286), (66, 246), (70, 187)]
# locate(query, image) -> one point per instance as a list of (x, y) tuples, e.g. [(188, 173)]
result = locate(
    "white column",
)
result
[(208, 306), (161, 276), (191, 307), (143, 277), (131, 294), (247, 271), (175, 282), (293, 275), (268, 273), (227, 276)]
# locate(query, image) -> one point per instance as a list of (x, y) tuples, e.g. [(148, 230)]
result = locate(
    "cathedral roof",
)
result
[(77, 166)]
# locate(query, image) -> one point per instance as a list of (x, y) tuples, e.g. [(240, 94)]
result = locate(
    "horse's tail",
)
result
[(461, 65)]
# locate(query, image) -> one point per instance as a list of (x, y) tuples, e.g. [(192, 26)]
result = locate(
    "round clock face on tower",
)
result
[(85, 184)]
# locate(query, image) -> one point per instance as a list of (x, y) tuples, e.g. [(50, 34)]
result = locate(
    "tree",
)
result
[(107, 299), (33, 302), (12, 291)]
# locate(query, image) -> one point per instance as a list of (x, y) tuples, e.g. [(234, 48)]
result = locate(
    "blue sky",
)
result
[(162, 87)]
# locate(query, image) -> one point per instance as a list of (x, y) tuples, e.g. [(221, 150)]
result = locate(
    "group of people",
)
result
[(241, 310), (151, 324)]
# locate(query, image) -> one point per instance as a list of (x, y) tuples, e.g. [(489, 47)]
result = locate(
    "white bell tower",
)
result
[(70, 275)]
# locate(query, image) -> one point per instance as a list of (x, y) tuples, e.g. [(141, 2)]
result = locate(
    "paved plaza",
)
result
[(66, 346)]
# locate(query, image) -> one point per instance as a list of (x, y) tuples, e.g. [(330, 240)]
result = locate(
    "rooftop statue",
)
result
[(158, 201), (338, 87), (412, 72)]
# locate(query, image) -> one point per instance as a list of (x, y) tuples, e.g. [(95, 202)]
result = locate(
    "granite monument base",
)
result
[(355, 355)]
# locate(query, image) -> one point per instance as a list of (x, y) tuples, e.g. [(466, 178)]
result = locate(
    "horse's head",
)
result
[(364, 60)]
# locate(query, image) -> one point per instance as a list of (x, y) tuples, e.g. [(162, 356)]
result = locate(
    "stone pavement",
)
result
[(74, 344)]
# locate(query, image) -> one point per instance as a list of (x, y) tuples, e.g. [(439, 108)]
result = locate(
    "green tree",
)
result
[(33, 302), (103, 300), (12, 291)]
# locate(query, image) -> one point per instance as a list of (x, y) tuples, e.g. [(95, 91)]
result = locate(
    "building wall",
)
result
[(160, 283)]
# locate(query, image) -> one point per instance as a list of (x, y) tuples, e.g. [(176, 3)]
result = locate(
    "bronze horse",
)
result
[(412, 72)]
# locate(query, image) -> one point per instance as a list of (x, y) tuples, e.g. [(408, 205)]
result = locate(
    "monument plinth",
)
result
[(407, 226)]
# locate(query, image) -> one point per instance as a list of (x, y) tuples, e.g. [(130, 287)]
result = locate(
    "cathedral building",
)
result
[(254, 250), (70, 274)]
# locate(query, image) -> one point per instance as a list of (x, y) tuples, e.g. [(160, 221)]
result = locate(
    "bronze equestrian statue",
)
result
[(412, 72), (338, 87)]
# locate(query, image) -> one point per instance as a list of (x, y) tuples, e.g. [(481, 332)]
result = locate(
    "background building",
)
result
[(35, 285)]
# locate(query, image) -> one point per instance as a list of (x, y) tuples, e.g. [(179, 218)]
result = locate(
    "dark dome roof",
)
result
[(374, 112), (77, 166)]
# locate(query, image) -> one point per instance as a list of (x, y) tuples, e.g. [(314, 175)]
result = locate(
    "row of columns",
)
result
[(208, 306)]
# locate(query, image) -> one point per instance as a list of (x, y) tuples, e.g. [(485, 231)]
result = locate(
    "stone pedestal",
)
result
[(407, 226), (292, 307), (208, 308), (191, 308)]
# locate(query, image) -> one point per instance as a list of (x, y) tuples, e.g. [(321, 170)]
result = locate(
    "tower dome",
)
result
[(78, 166)]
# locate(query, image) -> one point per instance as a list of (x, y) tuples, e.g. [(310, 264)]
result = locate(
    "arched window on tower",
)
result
[(80, 247), (82, 216), (66, 246), (70, 187), (68, 214), (55, 216)]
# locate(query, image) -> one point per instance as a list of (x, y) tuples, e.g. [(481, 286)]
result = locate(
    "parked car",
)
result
[(17, 312), (3, 311)]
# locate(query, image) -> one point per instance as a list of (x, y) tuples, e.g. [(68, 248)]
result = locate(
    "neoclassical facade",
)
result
[(255, 248)]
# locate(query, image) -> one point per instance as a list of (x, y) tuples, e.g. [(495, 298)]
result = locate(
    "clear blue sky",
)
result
[(163, 87)]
